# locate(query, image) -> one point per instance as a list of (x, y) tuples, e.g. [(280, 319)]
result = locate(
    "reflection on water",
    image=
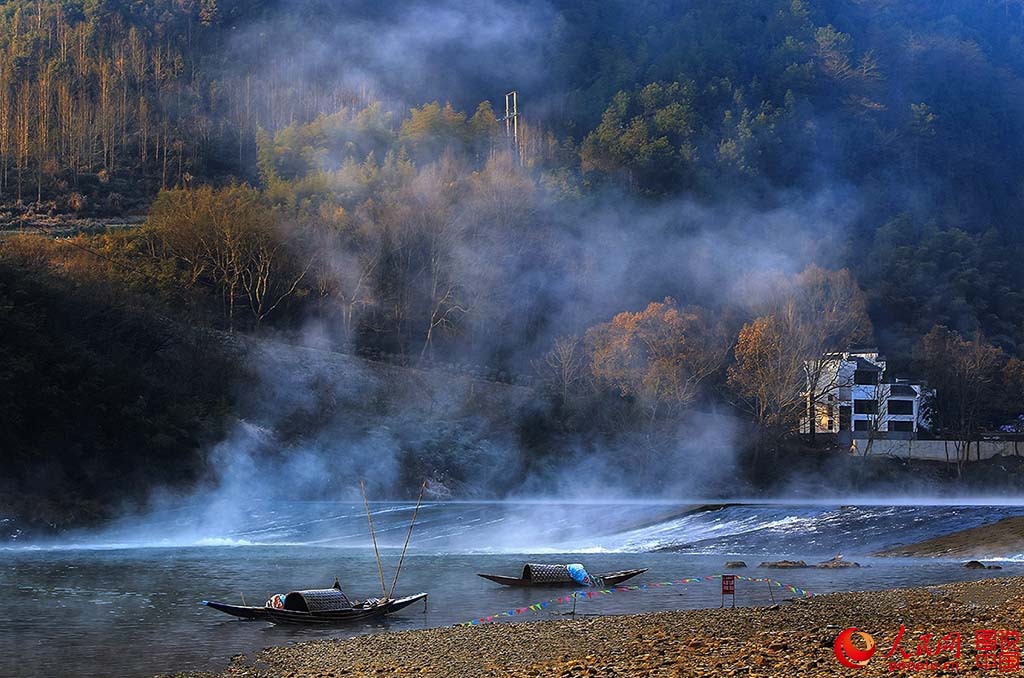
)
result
[(76, 610)]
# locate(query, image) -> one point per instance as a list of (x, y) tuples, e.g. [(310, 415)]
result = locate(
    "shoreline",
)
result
[(1000, 539), (789, 639)]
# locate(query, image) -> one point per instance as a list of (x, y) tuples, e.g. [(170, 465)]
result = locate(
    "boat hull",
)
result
[(609, 579), (240, 611), (339, 617), (344, 616)]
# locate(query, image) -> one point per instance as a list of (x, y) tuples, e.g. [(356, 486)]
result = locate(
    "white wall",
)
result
[(938, 450)]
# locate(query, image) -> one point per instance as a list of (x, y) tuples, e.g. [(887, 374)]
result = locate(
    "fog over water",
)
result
[(540, 526), (141, 585), (310, 427), (573, 264)]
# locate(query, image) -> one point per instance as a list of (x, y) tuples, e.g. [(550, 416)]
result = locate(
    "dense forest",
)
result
[(697, 200)]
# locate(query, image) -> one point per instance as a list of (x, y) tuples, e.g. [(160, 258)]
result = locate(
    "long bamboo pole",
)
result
[(408, 536), (373, 536)]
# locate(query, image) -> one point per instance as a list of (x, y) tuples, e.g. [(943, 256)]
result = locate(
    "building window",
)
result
[(905, 426), (865, 407), (844, 417), (861, 425), (901, 406), (865, 377)]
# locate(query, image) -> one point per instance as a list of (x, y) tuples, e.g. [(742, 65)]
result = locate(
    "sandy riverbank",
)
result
[(787, 640), (1001, 539)]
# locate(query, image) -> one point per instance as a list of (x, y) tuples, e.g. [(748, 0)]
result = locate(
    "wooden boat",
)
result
[(317, 606), (359, 612), (558, 575), (330, 606)]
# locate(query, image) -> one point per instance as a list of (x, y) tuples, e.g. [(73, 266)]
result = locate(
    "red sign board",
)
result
[(728, 584)]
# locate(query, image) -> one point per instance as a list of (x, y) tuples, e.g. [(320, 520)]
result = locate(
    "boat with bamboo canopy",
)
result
[(537, 574), (331, 605)]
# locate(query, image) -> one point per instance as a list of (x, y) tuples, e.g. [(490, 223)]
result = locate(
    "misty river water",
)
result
[(125, 601)]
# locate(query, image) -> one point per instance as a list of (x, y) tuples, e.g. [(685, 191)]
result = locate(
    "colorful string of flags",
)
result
[(587, 594)]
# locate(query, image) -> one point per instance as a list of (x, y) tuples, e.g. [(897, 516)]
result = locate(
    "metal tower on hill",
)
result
[(511, 121)]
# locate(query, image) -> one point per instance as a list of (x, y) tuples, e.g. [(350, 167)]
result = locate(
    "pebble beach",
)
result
[(793, 638)]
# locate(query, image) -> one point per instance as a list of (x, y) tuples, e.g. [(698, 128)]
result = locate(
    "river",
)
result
[(126, 601)]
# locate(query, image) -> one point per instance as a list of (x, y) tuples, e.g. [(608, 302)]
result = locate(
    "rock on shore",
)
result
[(794, 639)]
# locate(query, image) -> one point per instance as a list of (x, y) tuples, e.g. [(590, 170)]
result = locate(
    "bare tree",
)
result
[(829, 314), (786, 359), (346, 253), (564, 367), (269, 272), (878, 418), (429, 241), (230, 238)]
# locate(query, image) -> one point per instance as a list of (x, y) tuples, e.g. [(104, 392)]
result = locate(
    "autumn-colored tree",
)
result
[(965, 376), (769, 377), (432, 128), (780, 370), (659, 356)]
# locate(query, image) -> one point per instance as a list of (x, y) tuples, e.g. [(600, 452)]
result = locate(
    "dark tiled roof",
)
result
[(903, 390), (863, 364)]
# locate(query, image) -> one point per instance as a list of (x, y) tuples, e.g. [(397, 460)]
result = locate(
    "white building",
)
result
[(855, 394)]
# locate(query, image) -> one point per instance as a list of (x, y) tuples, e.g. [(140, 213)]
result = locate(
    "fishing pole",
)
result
[(373, 536), (408, 536)]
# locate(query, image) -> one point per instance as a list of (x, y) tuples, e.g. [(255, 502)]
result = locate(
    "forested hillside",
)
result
[(906, 101), (692, 188)]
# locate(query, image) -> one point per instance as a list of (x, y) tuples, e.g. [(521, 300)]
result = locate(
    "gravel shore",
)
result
[(793, 639)]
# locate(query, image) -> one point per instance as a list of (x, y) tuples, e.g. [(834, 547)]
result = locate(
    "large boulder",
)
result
[(836, 562), (784, 564), (735, 564)]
